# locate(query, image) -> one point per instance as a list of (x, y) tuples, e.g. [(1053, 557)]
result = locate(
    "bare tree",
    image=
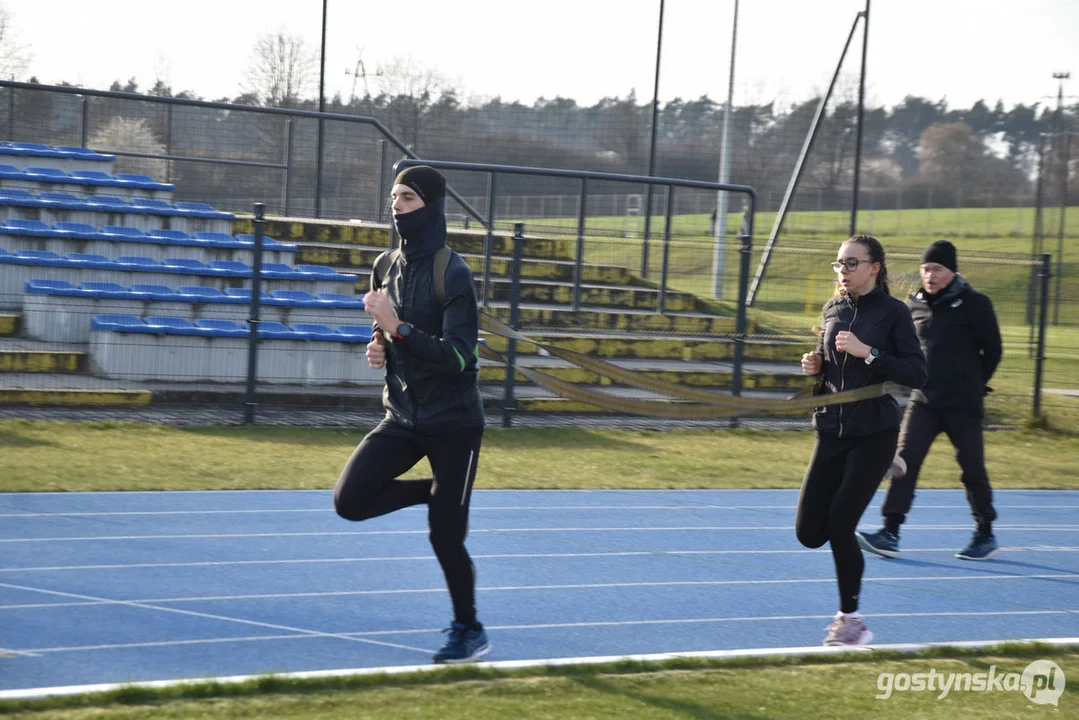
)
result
[(132, 135), (280, 71), (14, 55), (407, 91)]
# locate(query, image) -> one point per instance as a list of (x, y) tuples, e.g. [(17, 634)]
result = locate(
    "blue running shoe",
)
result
[(981, 547), (882, 542), (465, 644)]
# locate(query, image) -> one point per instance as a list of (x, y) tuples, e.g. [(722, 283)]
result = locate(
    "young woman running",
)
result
[(867, 337)]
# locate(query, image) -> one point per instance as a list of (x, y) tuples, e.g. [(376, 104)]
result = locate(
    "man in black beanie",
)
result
[(961, 340), (426, 334)]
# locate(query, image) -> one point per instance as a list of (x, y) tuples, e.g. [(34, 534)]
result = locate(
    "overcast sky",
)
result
[(958, 50)]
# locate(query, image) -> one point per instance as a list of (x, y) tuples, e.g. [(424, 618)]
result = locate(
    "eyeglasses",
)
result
[(851, 264)]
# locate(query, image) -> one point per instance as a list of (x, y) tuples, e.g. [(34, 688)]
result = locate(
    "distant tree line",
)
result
[(920, 145)]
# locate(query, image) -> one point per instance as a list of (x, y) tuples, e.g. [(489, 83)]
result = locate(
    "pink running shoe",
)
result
[(848, 630)]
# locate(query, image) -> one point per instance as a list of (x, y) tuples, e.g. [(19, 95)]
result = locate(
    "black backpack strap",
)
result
[(441, 266), (382, 266), (442, 263)]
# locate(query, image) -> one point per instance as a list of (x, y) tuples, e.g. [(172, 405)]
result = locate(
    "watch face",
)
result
[(874, 352), (403, 330)]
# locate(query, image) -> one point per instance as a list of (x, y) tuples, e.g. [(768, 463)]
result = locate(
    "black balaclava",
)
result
[(423, 231)]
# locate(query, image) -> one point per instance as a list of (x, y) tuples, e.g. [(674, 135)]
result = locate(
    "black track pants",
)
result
[(367, 488), (921, 425)]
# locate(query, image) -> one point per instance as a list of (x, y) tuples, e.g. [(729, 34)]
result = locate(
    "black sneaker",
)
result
[(465, 644), (982, 547), (882, 542)]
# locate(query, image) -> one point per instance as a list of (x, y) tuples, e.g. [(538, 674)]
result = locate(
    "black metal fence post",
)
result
[(250, 401), (665, 265), (744, 254), (84, 121), (380, 208), (488, 240), (1043, 319), (1036, 241), (515, 323), (578, 265), (288, 165), (168, 142)]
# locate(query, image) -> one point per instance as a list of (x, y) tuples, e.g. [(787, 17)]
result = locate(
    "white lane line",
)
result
[(500, 556), (530, 588), (348, 533), (208, 616), (492, 508), (537, 626)]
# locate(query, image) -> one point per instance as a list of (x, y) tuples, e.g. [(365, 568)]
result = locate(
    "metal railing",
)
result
[(584, 176), (286, 164)]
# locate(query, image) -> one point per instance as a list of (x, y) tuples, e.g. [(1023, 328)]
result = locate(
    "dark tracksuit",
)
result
[(961, 339), (855, 441), (433, 407)]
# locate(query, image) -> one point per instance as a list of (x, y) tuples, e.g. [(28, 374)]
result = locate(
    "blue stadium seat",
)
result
[(31, 148), (355, 333), (222, 328), (107, 200), (99, 177), (317, 331), (44, 255), (88, 259), (76, 228), (123, 231), (230, 266), (108, 289), (299, 296), (341, 299), (153, 203), (275, 330), (119, 323), (185, 263), (25, 224), (175, 235), (47, 287), (199, 291), (171, 325), (215, 237), (157, 292), (84, 153)]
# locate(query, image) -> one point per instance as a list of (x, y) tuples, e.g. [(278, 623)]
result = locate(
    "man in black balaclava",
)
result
[(426, 338), (961, 340)]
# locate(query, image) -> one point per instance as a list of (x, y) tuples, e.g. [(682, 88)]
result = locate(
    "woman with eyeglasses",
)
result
[(867, 337)]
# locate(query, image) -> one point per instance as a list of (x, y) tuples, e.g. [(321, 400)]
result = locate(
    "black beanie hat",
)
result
[(943, 253), (426, 181)]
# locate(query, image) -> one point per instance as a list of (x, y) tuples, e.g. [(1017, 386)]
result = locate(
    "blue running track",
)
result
[(125, 587)]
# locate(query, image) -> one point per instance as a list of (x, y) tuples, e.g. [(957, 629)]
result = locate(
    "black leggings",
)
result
[(838, 486), (367, 488)]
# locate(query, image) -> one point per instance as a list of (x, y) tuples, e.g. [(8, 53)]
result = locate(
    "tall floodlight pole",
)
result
[(321, 109), (719, 252), (1063, 157), (652, 149), (861, 118)]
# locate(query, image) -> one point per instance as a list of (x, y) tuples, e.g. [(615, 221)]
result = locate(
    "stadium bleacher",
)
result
[(160, 290)]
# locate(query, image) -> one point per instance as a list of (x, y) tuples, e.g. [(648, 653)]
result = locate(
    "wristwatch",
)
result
[(403, 331), (874, 353)]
